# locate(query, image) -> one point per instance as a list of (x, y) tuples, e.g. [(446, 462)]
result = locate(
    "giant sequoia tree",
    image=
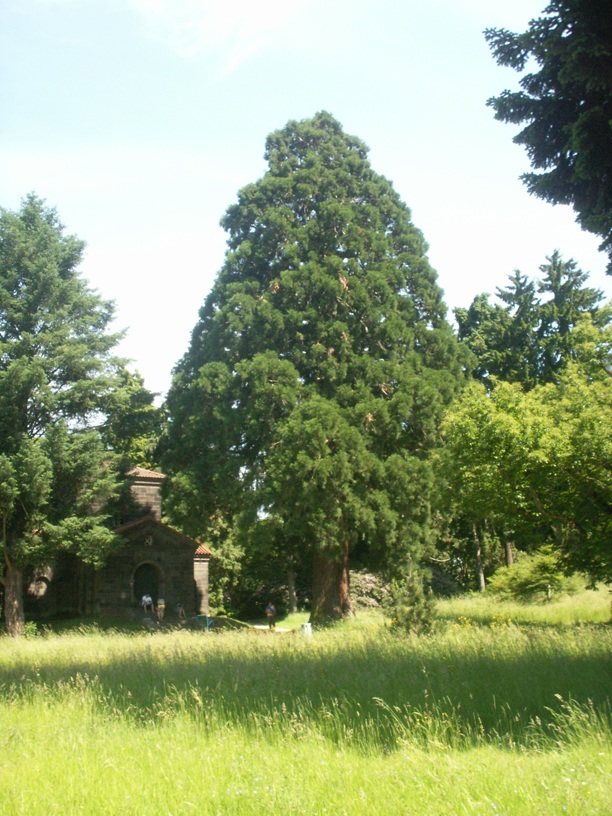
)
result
[(58, 382), (317, 373)]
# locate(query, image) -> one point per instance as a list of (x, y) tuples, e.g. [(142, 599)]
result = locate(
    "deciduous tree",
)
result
[(539, 462)]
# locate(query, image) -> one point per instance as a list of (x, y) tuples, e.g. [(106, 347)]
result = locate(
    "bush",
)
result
[(534, 577), (368, 591), (410, 605), (30, 630), (442, 585)]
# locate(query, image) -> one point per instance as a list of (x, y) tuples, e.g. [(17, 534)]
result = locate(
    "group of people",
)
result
[(148, 605)]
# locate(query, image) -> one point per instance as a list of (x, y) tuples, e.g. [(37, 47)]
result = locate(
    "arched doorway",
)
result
[(146, 582)]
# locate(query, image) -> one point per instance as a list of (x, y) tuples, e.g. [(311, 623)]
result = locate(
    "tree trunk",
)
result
[(508, 552), (331, 599), (13, 601), (291, 590), (478, 556)]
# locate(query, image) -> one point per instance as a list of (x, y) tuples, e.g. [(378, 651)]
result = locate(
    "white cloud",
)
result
[(233, 30)]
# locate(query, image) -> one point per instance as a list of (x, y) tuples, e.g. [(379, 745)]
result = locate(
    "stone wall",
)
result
[(154, 559), (146, 492), (168, 555)]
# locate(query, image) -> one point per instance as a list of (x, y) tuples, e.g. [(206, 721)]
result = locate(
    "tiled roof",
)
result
[(202, 550), (143, 473)]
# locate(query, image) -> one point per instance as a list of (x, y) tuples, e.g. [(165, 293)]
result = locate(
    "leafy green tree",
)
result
[(57, 379), (478, 498), (566, 107), (536, 576), (576, 483), (528, 338), (593, 345), (318, 372), (539, 462), (226, 566)]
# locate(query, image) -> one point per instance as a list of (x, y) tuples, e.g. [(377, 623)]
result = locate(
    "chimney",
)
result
[(146, 490)]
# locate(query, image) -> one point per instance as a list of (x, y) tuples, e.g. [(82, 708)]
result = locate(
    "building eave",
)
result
[(200, 549)]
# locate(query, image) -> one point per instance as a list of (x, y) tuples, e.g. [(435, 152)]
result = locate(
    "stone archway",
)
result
[(146, 581)]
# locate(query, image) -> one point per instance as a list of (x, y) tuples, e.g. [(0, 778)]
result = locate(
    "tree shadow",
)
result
[(383, 688)]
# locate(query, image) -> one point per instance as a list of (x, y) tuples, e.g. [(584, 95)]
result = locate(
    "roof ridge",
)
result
[(201, 549), (144, 473)]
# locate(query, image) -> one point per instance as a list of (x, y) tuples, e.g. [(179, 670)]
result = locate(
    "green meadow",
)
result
[(490, 714)]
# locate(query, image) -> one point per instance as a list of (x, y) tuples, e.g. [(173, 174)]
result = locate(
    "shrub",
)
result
[(30, 630), (368, 591), (533, 577), (410, 605), (442, 585)]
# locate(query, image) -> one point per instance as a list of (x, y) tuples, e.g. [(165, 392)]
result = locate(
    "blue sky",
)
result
[(140, 120)]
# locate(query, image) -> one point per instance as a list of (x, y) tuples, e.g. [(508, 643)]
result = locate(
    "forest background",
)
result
[(308, 422)]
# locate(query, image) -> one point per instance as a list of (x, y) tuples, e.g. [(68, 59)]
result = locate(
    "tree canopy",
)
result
[(510, 472), (528, 336), (317, 374), (58, 381), (539, 464), (566, 107)]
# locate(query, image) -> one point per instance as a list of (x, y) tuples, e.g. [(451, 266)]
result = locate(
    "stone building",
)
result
[(152, 558)]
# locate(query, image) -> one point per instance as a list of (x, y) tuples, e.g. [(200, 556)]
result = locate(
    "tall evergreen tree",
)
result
[(57, 381), (565, 106), (566, 300), (320, 365), (528, 338), (503, 338)]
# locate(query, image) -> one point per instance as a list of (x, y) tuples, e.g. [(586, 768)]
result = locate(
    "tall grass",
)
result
[(473, 719), (588, 606), (487, 681)]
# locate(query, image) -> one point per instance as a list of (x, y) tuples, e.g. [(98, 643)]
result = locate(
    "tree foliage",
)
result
[(566, 107), (311, 393), (536, 576), (57, 384), (539, 463), (411, 605), (133, 424), (528, 337)]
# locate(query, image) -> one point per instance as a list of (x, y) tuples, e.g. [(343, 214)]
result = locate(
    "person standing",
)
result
[(161, 608), (271, 615)]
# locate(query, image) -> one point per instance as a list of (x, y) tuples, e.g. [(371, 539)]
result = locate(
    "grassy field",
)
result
[(585, 607), (485, 716)]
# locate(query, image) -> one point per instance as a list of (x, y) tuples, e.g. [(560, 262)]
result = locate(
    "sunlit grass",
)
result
[(483, 716), (66, 761), (589, 606)]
